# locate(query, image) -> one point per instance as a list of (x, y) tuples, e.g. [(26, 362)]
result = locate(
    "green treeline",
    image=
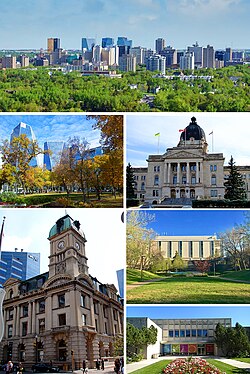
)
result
[(42, 90)]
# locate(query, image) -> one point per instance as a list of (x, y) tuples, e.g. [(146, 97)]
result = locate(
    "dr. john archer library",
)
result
[(187, 337)]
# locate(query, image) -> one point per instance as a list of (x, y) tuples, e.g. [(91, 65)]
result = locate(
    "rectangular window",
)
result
[(25, 310), (182, 333), (171, 333), (169, 249), (191, 249), (62, 319), (10, 313), (96, 309), (180, 248), (82, 301), (106, 327), (188, 333), (213, 180), (41, 306), (105, 312), (83, 319), (176, 333), (204, 333), (201, 254), (199, 333), (41, 324), (61, 301), (10, 331), (24, 328), (175, 179), (193, 180), (211, 248), (213, 193), (193, 333), (96, 325)]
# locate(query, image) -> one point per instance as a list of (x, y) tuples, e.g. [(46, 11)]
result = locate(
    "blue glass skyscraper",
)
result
[(53, 157), (24, 129), (107, 42), (87, 44), (19, 265)]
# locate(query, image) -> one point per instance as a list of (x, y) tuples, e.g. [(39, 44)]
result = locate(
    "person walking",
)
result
[(102, 364), (9, 367), (84, 366)]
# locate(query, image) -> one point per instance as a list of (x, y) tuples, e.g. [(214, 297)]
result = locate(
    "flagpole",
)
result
[(212, 133), (158, 145), (1, 235)]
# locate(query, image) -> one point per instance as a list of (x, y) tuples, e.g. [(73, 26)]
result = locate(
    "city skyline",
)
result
[(52, 127), (141, 21), (237, 313), (224, 132), (28, 229)]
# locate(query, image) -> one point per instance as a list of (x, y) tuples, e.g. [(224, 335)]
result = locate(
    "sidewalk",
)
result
[(107, 370), (237, 364)]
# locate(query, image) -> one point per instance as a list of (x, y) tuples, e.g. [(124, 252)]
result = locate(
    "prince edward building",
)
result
[(185, 172), (63, 316)]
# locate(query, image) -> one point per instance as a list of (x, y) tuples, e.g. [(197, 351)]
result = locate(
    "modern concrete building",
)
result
[(208, 57), (187, 61), (160, 44), (198, 54), (127, 62), (189, 248), (53, 44), (187, 337), (156, 63), (64, 315)]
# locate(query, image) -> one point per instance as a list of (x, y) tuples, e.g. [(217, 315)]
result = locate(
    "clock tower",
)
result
[(67, 248)]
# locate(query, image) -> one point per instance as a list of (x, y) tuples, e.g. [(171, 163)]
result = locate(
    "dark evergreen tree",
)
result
[(234, 184), (130, 183), (233, 341)]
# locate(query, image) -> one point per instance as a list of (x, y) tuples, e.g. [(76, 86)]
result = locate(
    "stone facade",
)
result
[(64, 315), (185, 172)]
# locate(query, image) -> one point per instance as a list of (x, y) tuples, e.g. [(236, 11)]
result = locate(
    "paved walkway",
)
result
[(109, 368), (139, 365), (237, 364)]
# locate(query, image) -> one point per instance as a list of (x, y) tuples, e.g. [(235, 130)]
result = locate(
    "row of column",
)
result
[(168, 171)]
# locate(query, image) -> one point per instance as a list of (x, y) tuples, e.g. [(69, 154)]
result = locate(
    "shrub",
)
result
[(191, 365)]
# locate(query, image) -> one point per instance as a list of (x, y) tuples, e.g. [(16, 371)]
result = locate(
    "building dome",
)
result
[(63, 224), (193, 132)]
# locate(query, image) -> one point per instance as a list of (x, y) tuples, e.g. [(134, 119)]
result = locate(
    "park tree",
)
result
[(20, 153), (202, 266), (139, 239), (235, 244), (234, 184), (63, 174), (233, 341), (137, 338), (178, 263)]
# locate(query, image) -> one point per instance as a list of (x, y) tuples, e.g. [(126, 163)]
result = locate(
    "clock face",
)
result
[(61, 244), (77, 245)]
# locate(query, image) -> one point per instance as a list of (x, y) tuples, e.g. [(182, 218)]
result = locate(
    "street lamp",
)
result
[(36, 349)]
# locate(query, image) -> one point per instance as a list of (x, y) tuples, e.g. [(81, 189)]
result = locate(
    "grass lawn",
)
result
[(244, 359), (195, 290), (134, 275), (155, 368), (158, 366), (225, 367), (243, 275)]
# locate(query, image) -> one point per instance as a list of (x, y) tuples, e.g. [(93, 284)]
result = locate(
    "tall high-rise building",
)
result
[(107, 42), (229, 54), (127, 62), (187, 61), (24, 129), (87, 44), (208, 57), (19, 265), (53, 44), (156, 63), (139, 53), (124, 41), (171, 56), (52, 157), (9, 62), (160, 44), (198, 54)]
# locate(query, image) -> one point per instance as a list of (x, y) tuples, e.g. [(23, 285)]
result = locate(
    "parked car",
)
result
[(42, 367)]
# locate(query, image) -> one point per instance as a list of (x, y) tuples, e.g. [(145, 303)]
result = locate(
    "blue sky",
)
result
[(105, 247), (52, 127), (231, 134), (28, 24), (195, 222), (239, 314)]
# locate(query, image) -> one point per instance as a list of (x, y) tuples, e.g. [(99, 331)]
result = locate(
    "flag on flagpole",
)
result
[(182, 130), (211, 132), (157, 134)]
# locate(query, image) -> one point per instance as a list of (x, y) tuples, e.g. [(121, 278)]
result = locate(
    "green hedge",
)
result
[(220, 204)]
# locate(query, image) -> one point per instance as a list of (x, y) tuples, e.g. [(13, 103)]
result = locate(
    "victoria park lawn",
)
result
[(227, 288), (157, 367)]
